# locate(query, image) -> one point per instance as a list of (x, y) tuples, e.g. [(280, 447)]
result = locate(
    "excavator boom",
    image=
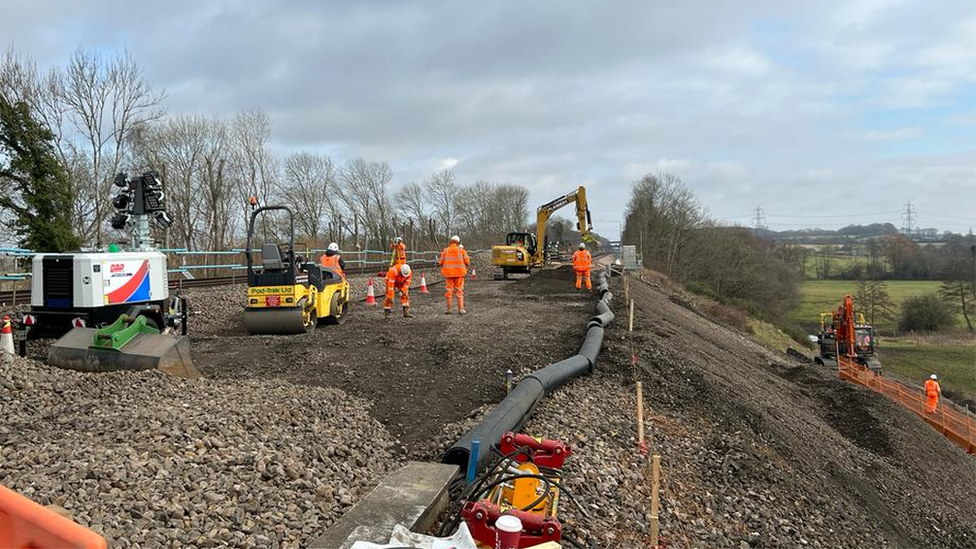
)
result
[(519, 254), (584, 223)]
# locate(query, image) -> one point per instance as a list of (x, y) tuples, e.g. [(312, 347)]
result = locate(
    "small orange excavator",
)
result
[(846, 334)]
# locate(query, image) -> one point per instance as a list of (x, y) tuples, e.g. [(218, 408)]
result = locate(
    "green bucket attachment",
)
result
[(126, 344)]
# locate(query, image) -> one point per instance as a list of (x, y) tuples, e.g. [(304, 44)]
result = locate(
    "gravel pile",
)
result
[(153, 461), (709, 494)]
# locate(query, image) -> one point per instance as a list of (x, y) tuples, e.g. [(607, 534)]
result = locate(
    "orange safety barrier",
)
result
[(957, 425), (27, 525)]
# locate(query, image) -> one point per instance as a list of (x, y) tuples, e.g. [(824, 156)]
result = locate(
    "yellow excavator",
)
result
[(524, 251)]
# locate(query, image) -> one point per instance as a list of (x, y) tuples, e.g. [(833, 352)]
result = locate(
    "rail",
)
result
[(22, 297), (956, 424)]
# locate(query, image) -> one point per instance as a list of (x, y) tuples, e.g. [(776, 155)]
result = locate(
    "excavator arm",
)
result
[(583, 222)]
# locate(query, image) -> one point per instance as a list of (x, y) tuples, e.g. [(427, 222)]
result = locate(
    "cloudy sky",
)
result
[(814, 111)]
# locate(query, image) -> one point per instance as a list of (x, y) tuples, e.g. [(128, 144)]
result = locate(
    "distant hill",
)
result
[(848, 234)]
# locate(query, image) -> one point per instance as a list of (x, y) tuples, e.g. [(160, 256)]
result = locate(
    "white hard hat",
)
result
[(461, 246), (405, 270), (581, 246), (398, 240), (456, 238), (933, 376), (333, 247)]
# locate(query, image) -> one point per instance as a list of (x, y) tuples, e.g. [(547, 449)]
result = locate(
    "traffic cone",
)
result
[(473, 274), (370, 296), (423, 284), (6, 337)]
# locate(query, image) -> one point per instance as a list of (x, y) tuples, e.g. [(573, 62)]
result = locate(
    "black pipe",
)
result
[(516, 408), (554, 375), (591, 345), (601, 320), (508, 415)]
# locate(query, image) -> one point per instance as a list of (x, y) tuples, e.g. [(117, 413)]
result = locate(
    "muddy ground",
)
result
[(421, 373)]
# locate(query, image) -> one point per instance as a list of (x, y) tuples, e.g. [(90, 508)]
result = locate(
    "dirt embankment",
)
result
[(757, 451)]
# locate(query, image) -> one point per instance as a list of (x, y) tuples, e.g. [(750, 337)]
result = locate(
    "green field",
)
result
[(954, 363), (953, 358), (821, 296)]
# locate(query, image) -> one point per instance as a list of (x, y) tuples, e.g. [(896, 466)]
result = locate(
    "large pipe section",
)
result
[(515, 409), (507, 415)]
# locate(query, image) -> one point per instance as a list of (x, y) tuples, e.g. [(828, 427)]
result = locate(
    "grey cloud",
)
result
[(550, 94)]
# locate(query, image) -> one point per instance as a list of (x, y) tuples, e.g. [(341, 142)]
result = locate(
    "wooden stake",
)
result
[(631, 324), (969, 423), (626, 288), (640, 414), (655, 502)]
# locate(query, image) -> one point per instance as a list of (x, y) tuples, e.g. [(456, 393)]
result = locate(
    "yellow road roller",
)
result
[(285, 293)]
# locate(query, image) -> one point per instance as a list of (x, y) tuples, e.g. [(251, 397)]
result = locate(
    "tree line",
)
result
[(98, 115), (676, 237)]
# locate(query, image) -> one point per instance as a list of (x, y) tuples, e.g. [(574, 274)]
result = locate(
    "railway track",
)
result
[(176, 282)]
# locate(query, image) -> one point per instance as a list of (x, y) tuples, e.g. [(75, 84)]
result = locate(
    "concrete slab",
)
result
[(413, 495)]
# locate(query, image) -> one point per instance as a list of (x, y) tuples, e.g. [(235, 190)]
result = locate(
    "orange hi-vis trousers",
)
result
[(579, 279), (931, 403), (391, 292), (455, 286)]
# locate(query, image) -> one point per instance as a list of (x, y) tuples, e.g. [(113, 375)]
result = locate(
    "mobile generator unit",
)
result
[(110, 309), (83, 289)]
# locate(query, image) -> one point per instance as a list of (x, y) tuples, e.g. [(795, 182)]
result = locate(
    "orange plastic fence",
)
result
[(27, 525), (957, 425)]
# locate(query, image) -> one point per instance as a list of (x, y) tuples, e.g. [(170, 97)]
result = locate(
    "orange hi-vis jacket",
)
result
[(395, 280), (399, 254), (932, 389), (453, 261), (582, 260), (332, 262)]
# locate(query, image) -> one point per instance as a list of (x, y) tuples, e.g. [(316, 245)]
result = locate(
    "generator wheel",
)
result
[(338, 310)]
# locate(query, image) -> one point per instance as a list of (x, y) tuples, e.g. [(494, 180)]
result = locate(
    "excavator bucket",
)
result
[(125, 345)]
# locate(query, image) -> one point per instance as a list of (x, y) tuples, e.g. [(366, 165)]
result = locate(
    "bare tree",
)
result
[(514, 200), (366, 193), (309, 184), (665, 213), (218, 189), (413, 205), (176, 148), (254, 167), (441, 190), (825, 259), (958, 289), (872, 298), (107, 98)]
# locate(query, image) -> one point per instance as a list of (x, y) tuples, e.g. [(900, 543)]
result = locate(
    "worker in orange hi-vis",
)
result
[(398, 279), (332, 260), (933, 391), (399, 255), (582, 263), (454, 267)]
